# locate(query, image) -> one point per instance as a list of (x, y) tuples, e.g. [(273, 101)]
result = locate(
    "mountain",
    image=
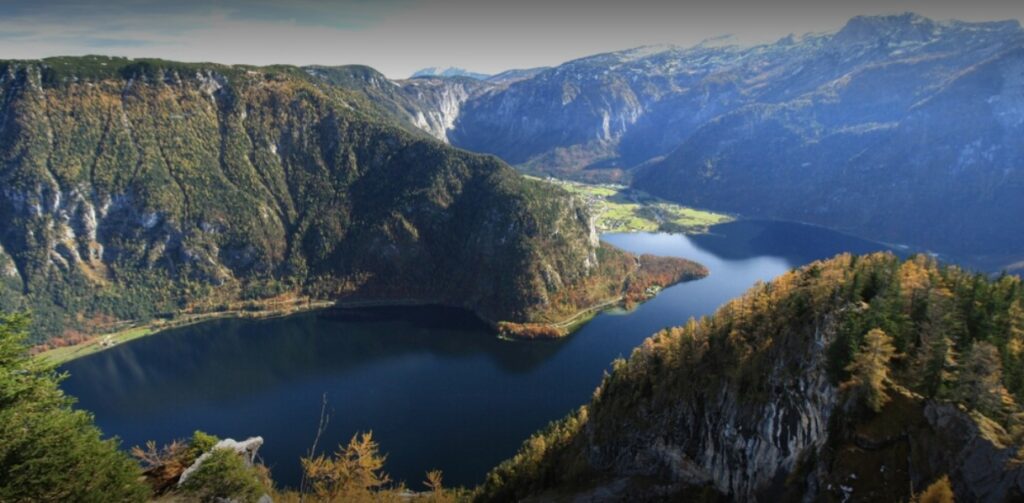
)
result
[(909, 132), (510, 76), (896, 128), (140, 188), (855, 379), (570, 117), (429, 103), (618, 110), (421, 104), (451, 71)]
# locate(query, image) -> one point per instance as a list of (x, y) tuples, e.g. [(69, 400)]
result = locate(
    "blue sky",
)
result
[(400, 36)]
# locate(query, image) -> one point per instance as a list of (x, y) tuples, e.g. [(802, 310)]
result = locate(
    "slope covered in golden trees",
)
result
[(858, 377)]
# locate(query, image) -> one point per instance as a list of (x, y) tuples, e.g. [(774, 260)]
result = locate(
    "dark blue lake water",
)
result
[(438, 389)]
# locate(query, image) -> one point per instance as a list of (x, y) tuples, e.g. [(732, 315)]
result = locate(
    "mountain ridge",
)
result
[(449, 71)]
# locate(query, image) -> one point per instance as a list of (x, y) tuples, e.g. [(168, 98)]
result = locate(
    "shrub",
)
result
[(224, 475)]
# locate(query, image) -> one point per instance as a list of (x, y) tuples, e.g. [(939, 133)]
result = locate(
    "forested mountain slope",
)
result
[(854, 379), (132, 189)]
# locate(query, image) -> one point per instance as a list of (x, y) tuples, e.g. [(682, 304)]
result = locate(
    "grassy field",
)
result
[(257, 310), (623, 209), (57, 356)]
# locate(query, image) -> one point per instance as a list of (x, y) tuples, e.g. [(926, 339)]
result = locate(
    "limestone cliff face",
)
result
[(429, 104), (798, 443), (440, 102), (754, 450), (131, 189), (721, 438)]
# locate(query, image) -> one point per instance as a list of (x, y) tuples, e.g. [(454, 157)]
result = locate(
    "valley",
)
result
[(311, 281), (619, 208)]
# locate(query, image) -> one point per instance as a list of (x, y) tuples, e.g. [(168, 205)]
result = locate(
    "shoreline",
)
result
[(101, 342), (546, 331), (276, 308)]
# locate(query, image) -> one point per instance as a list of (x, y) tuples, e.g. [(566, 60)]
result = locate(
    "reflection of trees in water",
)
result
[(797, 243), (224, 359)]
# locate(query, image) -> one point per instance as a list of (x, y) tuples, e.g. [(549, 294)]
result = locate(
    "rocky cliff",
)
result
[(133, 189), (758, 403), (428, 103)]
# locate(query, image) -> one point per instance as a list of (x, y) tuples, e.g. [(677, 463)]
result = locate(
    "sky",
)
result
[(398, 37)]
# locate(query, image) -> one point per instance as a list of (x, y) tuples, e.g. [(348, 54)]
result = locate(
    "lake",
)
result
[(436, 387)]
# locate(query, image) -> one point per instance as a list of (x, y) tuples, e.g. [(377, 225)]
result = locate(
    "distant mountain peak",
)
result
[(908, 26), (451, 71), (727, 40)]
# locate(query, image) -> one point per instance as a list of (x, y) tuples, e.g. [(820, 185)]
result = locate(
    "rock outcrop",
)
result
[(247, 449)]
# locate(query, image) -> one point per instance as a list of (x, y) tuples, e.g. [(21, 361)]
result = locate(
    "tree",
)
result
[(915, 279), (434, 481), (870, 368), (941, 491), (980, 384), (49, 451), (355, 473), (936, 360), (940, 372), (436, 493), (1013, 362)]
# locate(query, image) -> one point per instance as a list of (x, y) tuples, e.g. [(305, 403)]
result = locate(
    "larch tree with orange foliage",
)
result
[(870, 368)]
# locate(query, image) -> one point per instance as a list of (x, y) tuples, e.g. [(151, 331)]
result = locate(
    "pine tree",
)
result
[(1013, 360), (940, 370), (936, 361), (980, 384), (870, 368), (49, 451)]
